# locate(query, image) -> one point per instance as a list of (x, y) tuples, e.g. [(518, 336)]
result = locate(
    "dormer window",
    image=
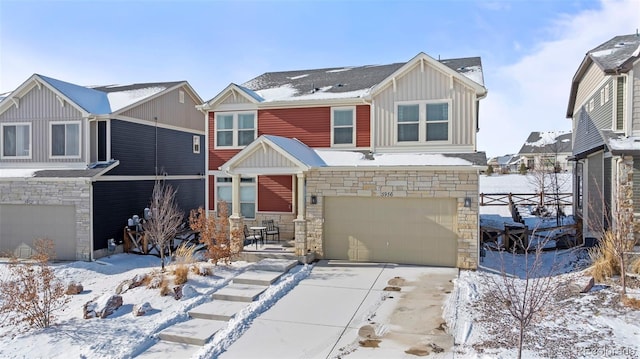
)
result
[(235, 129)]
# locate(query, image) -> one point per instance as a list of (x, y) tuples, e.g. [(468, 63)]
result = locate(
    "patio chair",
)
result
[(271, 230), (251, 238)]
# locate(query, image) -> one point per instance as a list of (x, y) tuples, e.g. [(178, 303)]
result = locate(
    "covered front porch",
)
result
[(273, 156)]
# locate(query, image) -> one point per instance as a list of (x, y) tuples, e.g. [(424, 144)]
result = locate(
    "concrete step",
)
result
[(276, 265), (217, 310), (162, 350), (239, 292), (257, 277), (193, 331)]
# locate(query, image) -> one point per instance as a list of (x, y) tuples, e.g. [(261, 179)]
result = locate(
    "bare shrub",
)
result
[(31, 293), (635, 266), (201, 269), (154, 280), (528, 297), (165, 219), (181, 274), (215, 233), (164, 287), (631, 302)]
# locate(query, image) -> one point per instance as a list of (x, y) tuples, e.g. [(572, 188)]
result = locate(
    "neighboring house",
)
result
[(369, 163), (77, 162), (548, 151), (604, 106), (504, 164)]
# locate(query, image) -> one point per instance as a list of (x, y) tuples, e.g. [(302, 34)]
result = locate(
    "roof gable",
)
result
[(233, 90), (270, 155), (549, 142)]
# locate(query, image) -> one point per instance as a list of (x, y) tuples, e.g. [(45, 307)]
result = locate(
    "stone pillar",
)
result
[(301, 236), (236, 232)]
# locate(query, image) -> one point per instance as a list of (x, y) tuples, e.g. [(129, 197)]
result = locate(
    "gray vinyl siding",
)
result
[(620, 85), (116, 201), (595, 184), (588, 123), (40, 107), (589, 81), (169, 111), (432, 84), (134, 145), (635, 102)]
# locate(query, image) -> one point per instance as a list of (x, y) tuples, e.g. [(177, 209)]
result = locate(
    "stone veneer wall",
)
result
[(76, 192), (403, 183), (284, 221)]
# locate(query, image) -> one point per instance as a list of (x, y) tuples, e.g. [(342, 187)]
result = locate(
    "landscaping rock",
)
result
[(141, 309), (188, 291), (177, 292), (102, 306), (124, 286), (582, 285), (74, 288)]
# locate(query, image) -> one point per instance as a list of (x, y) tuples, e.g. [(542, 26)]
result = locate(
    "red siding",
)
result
[(310, 125), (217, 157), (212, 193), (275, 193), (363, 126)]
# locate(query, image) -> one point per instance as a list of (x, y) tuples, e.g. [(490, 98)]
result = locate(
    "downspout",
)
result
[(206, 162)]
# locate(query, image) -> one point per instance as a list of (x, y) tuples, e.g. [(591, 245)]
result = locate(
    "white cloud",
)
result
[(532, 94)]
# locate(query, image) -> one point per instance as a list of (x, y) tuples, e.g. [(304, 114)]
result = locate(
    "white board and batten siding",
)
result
[(268, 161), (174, 113), (425, 84), (40, 107)]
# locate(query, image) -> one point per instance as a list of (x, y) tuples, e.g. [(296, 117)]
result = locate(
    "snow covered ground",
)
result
[(589, 325)]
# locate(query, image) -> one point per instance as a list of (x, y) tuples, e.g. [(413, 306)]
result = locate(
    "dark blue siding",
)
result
[(116, 201), (134, 145)]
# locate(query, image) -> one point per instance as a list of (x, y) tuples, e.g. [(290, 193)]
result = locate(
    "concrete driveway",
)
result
[(342, 309)]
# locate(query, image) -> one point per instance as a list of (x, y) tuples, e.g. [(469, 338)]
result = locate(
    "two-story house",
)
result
[(604, 106), (547, 151), (367, 163), (76, 162)]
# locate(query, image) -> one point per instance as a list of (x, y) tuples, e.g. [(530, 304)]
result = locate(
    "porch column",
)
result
[(235, 195), (300, 196)]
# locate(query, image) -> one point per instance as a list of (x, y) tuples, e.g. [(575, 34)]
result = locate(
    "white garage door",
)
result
[(20, 225), (395, 230)]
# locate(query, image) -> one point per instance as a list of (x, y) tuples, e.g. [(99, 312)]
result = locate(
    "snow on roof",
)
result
[(18, 172), (547, 141), (288, 93), (473, 73), (616, 52), (546, 138), (625, 143), (122, 99), (298, 150), (348, 158), (277, 93)]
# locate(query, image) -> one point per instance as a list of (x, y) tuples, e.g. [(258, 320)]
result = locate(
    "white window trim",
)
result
[(422, 123), (353, 126), (80, 133), (242, 184), (2, 126), (606, 93), (196, 144), (235, 128)]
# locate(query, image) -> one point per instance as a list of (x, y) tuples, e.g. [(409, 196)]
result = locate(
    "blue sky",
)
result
[(530, 49)]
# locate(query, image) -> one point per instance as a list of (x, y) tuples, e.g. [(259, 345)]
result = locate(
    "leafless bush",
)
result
[(527, 297), (31, 293), (165, 217), (215, 233)]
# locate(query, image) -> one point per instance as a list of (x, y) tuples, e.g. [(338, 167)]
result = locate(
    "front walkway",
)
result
[(342, 306)]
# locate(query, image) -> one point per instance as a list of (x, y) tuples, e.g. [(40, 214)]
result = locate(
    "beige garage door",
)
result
[(21, 224), (395, 230)]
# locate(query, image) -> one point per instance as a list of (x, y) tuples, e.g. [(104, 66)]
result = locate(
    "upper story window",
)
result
[(235, 129), (423, 121), (16, 140), (343, 126), (181, 96), (196, 144), (65, 139)]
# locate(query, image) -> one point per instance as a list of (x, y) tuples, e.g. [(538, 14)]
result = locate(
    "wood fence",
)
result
[(518, 237), (542, 199)]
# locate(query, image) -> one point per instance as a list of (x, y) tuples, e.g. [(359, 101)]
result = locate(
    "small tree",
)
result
[(214, 232), (165, 219), (32, 293), (489, 170), (527, 296), (523, 169)]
